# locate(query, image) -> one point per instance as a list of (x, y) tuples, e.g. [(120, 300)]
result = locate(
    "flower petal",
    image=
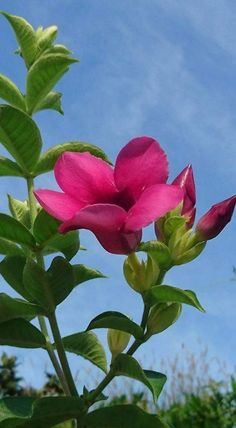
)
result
[(153, 203), (119, 242), (85, 177), (186, 180), (97, 218), (140, 164), (57, 204)]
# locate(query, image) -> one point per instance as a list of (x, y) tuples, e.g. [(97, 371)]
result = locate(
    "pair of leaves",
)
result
[(125, 365), (26, 412), (166, 293)]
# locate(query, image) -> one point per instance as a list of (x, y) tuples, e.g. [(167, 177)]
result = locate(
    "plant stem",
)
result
[(107, 379), (138, 342), (41, 319), (62, 354)]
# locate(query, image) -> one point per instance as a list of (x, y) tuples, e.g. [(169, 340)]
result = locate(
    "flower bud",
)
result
[(162, 316), (184, 246), (140, 275), (214, 221), (186, 181), (117, 341)]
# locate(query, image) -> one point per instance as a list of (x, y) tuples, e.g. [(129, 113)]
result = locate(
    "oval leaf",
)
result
[(10, 93), (122, 416), (14, 308), (8, 248), (20, 136), (84, 273), (61, 279), (11, 268), (20, 211), (31, 412), (22, 334), (14, 231), (48, 159), (52, 102), (125, 365), (36, 283), (9, 168), (42, 77), (87, 345), (166, 293), (116, 321), (25, 36)]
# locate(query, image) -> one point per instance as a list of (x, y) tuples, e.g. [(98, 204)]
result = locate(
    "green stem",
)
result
[(138, 342), (41, 319), (102, 385), (62, 354)]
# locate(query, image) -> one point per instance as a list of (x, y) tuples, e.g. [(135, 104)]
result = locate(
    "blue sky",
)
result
[(160, 68)]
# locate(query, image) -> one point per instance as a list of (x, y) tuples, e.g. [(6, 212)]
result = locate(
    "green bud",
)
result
[(140, 275), (162, 316), (184, 246), (117, 341)]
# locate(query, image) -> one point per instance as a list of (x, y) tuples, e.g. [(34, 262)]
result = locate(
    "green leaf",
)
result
[(158, 251), (125, 365), (11, 93), (122, 416), (58, 48), (116, 321), (13, 230), (45, 37), (11, 268), (52, 102), (84, 273), (20, 136), (9, 168), (166, 293), (43, 76), (15, 308), (19, 210), (21, 333), (36, 283), (190, 254), (25, 36), (173, 223), (46, 234), (48, 159), (87, 345), (31, 412), (61, 279), (8, 248)]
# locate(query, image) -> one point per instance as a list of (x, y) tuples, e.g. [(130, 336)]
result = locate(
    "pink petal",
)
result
[(186, 180), (153, 203), (140, 164), (119, 242), (99, 218), (85, 177), (57, 204)]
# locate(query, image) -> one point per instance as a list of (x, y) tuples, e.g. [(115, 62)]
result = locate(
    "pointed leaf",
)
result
[(11, 93), (11, 268), (36, 283), (61, 278), (43, 76), (9, 168), (125, 365), (87, 345), (116, 321), (25, 36), (19, 210), (48, 159), (21, 333), (14, 231), (166, 293), (58, 48), (46, 234), (15, 308), (122, 416), (46, 37), (20, 136), (158, 251), (8, 248), (31, 412), (52, 102), (84, 273)]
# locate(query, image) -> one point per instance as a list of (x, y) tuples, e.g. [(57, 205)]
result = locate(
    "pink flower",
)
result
[(214, 221), (115, 204), (186, 181)]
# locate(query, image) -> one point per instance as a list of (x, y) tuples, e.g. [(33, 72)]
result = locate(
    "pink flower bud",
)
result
[(185, 180), (214, 221)]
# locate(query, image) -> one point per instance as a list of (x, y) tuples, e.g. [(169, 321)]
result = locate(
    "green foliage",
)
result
[(16, 308), (10, 92), (84, 273), (9, 168), (116, 321), (166, 293), (22, 334), (87, 345), (12, 230)]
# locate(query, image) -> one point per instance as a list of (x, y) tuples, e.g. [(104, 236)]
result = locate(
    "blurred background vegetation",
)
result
[(193, 397)]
